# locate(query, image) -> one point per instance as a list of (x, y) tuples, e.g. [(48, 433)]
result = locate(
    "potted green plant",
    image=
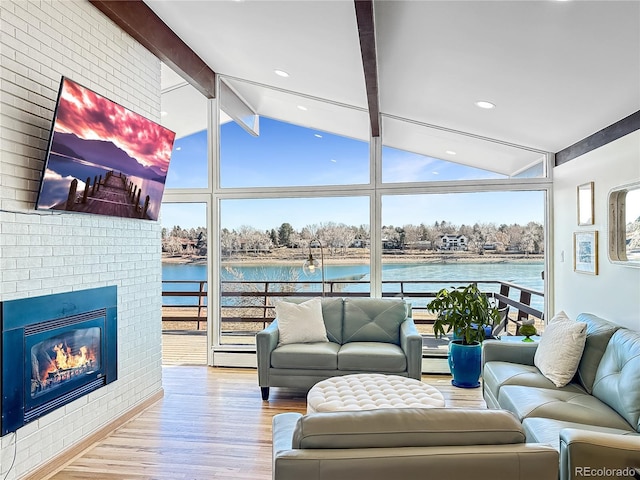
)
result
[(528, 330), (465, 312)]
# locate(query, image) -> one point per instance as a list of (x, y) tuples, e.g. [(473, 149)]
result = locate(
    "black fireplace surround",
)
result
[(55, 349)]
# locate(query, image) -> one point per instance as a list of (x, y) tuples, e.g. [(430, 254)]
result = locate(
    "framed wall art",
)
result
[(585, 204), (585, 252)]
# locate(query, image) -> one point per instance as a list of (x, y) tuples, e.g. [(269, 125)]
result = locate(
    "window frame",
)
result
[(374, 190)]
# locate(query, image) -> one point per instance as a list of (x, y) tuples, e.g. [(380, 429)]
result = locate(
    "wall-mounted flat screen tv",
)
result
[(103, 158)]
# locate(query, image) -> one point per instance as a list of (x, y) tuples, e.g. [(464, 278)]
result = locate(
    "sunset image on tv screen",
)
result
[(104, 158)]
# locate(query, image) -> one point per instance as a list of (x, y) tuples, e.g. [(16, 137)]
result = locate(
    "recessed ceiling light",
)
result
[(317, 135), (333, 160), (281, 73), (302, 107), (450, 152), (484, 104)]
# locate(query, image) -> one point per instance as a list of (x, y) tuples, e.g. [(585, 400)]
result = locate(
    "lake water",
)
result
[(523, 274)]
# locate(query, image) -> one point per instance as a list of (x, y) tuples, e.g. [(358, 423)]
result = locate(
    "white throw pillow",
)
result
[(560, 349), (301, 323)]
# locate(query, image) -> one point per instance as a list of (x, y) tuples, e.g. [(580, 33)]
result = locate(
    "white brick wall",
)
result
[(43, 252)]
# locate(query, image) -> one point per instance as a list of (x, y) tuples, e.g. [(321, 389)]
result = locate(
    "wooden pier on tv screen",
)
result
[(114, 195)]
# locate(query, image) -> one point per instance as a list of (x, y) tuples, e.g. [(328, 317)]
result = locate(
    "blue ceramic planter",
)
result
[(465, 364)]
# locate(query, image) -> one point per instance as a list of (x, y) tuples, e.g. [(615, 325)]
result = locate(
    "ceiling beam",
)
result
[(367, 34), (139, 21), (606, 135)]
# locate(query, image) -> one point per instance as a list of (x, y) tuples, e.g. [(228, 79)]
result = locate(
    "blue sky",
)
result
[(498, 207), (288, 155)]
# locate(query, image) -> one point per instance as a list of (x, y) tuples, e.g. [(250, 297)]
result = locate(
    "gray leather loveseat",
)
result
[(366, 335), (594, 420), (408, 444)]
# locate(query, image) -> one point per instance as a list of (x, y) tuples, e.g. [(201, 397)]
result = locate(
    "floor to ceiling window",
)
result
[(405, 214)]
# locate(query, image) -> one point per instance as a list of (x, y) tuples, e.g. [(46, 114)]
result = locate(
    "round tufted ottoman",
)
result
[(368, 391)]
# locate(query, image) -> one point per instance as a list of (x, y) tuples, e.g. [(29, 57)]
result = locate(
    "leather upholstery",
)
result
[(580, 449), (374, 356), (407, 427), (546, 430), (617, 381), (499, 374), (332, 314), (378, 335), (560, 405), (513, 352), (314, 356), (369, 391), (407, 444), (599, 333), (597, 430), (373, 320)]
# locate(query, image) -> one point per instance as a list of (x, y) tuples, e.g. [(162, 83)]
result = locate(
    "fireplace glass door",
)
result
[(60, 360), (64, 358)]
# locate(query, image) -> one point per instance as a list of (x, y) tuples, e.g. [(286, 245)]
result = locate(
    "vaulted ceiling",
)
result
[(556, 71)]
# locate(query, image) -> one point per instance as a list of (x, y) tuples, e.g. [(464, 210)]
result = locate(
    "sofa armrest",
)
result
[(411, 344), (512, 352), (266, 342), (583, 451), (283, 426)]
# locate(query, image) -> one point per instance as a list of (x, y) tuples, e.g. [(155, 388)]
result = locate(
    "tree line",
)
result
[(336, 238)]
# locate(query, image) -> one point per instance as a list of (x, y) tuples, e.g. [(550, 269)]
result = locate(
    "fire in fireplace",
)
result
[(63, 358), (55, 349)]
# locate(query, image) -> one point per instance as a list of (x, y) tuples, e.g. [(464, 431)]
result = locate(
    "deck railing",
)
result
[(253, 302)]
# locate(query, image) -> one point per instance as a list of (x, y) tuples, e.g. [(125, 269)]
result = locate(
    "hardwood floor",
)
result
[(211, 424)]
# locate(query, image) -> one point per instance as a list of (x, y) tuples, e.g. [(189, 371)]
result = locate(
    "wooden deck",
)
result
[(211, 424), (184, 348)]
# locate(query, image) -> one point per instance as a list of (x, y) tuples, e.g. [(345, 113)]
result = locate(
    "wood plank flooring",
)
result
[(211, 424)]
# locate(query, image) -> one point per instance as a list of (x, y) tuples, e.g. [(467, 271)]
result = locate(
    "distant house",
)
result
[(419, 245), (453, 242), (390, 244)]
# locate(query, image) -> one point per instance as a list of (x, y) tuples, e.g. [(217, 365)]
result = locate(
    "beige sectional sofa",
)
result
[(365, 335), (593, 422), (408, 444)]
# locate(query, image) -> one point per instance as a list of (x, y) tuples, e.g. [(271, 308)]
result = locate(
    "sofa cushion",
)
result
[(599, 331), (497, 374), (371, 357), (301, 323), (560, 349), (373, 320), (407, 427), (617, 379), (313, 356), (546, 430), (332, 313), (559, 404)]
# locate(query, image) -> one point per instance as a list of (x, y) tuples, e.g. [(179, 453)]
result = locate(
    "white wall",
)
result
[(43, 252), (615, 292)]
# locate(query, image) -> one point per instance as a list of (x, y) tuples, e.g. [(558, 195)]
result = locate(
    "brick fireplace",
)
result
[(55, 349)]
